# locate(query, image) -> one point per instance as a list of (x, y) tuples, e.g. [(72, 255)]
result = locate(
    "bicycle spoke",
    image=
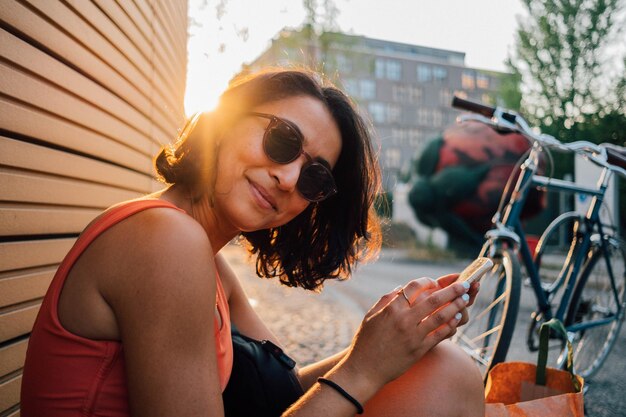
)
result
[(490, 306)]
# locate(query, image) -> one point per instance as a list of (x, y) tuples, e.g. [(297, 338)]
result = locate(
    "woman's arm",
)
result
[(163, 297), (242, 314), (393, 336)]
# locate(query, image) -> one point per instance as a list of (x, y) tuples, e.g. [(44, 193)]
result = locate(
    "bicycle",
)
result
[(592, 280)]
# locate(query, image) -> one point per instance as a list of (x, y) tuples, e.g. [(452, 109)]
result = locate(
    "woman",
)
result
[(137, 319)]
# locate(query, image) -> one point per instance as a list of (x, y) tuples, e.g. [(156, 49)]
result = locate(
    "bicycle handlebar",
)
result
[(483, 109), (605, 155), (616, 157)]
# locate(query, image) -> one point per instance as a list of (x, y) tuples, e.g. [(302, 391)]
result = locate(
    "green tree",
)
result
[(562, 54)]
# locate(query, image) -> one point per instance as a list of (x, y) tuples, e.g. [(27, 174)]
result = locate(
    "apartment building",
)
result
[(405, 90)]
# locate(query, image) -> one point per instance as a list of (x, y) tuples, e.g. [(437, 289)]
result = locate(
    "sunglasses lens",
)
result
[(282, 143), (316, 182)]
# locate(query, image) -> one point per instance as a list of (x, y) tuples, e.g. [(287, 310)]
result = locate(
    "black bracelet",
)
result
[(359, 407)]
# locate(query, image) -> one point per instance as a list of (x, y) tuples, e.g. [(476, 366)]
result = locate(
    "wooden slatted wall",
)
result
[(89, 90)]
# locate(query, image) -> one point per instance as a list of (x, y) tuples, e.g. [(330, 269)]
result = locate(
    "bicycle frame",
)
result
[(511, 222)]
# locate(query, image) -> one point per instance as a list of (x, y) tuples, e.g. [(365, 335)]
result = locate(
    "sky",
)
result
[(224, 34)]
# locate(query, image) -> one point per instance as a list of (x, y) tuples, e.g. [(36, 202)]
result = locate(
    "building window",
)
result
[(482, 81), (440, 74), (363, 89), (388, 68), (377, 112), (406, 137), (384, 112), (394, 113), (423, 116), (379, 71), (394, 70), (437, 118), (368, 89), (445, 97), (344, 64), (467, 80), (351, 86), (406, 93), (424, 73)]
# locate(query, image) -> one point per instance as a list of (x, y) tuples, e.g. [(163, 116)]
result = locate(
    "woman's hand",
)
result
[(398, 331), (446, 280)]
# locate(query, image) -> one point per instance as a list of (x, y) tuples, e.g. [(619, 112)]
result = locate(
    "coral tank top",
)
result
[(69, 375)]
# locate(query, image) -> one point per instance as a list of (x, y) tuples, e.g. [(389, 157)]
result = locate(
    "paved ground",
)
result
[(313, 326)]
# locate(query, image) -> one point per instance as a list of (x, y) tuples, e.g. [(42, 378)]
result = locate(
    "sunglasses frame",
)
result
[(275, 120)]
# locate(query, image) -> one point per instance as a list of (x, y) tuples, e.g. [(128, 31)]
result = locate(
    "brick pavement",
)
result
[(311, 326)]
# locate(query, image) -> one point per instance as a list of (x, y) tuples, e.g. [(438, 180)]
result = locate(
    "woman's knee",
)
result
[(445, 382)]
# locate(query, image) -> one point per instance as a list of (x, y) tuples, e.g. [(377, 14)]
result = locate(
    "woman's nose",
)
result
[(286, 175)]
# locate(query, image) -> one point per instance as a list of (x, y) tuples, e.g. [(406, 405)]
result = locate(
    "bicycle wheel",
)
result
[(595, 300), (555, 245), (487, 335)]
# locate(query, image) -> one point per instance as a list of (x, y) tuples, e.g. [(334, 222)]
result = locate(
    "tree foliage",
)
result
[(563, 55)]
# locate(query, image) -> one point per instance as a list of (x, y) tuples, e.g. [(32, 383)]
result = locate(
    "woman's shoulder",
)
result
[(155, 244)]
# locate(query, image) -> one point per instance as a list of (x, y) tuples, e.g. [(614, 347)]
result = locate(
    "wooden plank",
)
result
[(38, 93), (22, 119), (174, 25), (159, 37), (33, 25), (130, 29), (154, 74), (180, 37), (149, 34), (59, 14), (10, 392), (25, 219), (33, 253), (30, 59), (17, 154), (172, 20), (25, 285), (18, 320), (16, 186), (12, 357), (165, 23)]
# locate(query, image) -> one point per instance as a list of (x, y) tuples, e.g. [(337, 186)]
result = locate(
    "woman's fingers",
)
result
[(416, 289), (383, 302), (446, 280), (473, 291)]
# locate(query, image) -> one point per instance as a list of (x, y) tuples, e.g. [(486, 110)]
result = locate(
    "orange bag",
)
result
[(516, 389)]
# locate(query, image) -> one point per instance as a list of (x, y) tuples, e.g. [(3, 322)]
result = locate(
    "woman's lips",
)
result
[(262, 197)]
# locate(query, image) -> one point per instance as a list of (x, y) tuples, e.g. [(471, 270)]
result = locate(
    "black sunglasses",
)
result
[(282, 143)]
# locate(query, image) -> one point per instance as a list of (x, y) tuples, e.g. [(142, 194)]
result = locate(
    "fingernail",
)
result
[(458, 316), (465, 297), (397, 288), (466, 285)]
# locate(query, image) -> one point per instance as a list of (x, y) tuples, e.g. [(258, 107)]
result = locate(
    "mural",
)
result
[(460, 180)]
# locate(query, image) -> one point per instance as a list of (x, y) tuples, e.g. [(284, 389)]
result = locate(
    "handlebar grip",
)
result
[(615, 157), (463, 104)]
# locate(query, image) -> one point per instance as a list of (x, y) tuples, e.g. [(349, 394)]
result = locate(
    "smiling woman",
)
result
[(285, 162)]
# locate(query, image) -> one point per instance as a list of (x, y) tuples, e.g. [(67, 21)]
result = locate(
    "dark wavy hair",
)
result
[(327, 238)]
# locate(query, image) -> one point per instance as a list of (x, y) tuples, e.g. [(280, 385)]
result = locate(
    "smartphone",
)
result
[(475, 271)]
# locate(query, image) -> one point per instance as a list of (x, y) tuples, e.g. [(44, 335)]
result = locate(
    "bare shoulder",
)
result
[(158, 248), (164, 303)]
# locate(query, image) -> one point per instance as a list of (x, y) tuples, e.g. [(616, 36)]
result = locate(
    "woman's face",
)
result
[(251, 191)]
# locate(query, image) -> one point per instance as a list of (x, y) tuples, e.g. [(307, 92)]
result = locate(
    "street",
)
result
[(312, 326)]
